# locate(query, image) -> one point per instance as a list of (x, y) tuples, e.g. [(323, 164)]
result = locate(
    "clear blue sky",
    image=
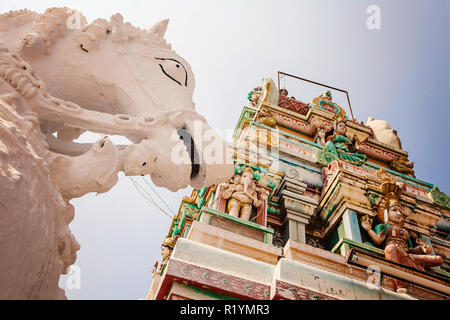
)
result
[(399, 74)]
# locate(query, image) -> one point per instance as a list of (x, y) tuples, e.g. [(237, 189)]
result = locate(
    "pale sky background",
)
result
[(399, 74)]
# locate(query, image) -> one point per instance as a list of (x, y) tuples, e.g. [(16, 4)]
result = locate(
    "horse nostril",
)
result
[(143, 164)]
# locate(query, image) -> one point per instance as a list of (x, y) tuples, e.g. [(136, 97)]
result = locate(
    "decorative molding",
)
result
[(440, 198)]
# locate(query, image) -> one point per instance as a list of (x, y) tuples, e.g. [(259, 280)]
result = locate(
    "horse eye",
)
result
[(174, 70)]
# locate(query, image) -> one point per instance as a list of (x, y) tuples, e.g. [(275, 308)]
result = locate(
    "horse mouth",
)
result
[(191, 149)]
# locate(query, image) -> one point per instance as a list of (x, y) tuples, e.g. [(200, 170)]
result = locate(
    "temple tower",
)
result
[(320, 206)]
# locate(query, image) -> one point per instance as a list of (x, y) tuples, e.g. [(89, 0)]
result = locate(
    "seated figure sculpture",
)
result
[(396, 240), (337, 144), (241, 193)]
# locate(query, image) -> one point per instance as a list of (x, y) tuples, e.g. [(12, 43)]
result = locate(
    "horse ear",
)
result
[(159, 28)]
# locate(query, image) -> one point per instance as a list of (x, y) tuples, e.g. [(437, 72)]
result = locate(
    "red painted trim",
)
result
[(211, 280), (287, 291), (262, 214), (174, 296)]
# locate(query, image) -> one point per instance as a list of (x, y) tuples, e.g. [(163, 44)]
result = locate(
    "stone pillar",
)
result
[(351, 227), (298, 209)]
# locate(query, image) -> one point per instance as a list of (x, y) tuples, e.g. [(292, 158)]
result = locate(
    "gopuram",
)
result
[(320, 206)]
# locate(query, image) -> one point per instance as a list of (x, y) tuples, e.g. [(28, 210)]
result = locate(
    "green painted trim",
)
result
[(176, 230), (329, 199), (199, 215), (274, 211), (238, 220), (337, 246), (350, 219), (442, 273), (370, 164), (330, 211), (357, 244), (289, 135), (245, 114), (190, 205), (209, 293), (299, 165), (163, 268), (202, 191), (440, 198)]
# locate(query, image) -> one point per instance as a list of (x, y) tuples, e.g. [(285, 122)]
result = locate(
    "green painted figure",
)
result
[(336, 147)]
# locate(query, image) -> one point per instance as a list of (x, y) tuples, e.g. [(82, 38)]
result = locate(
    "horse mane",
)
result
[(55, 23), (17, 18)]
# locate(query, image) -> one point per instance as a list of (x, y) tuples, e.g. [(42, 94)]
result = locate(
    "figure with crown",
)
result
[(394, 237), (337, 144), (166, 251)]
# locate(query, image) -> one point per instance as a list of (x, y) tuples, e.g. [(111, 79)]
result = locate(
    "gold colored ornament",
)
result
[(392, 190), (339, 117), (169, 242)]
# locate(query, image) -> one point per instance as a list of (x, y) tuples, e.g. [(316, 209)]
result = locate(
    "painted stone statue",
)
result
[(242, 194), (396, 240), (337, 145), (166, 251)]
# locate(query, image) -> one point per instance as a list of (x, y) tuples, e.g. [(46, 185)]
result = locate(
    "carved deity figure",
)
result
[(337, 145), (242, 194), (166, 252), (397, 243)]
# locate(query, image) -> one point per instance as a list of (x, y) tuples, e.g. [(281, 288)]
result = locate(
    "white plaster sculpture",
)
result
[(59, 77), (384, 133)]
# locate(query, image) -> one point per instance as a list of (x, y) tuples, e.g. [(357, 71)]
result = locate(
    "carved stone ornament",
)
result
[(242, 194), (439, 198)]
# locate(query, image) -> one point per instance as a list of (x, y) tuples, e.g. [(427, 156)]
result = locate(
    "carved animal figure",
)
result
[(59, 77), (384, 133), (403, 165)]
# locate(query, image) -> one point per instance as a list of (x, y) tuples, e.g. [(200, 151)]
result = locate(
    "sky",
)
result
[(398, 73)]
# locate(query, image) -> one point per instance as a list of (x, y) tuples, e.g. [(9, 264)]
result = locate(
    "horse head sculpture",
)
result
[(60, 77), (113, 78)]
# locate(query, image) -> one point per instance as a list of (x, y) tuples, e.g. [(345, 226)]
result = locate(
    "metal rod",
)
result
[(317, 83)]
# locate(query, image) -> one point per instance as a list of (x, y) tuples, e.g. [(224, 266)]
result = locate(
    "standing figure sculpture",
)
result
[(241, 193), (337, 145), (396, 240), (166, 251)]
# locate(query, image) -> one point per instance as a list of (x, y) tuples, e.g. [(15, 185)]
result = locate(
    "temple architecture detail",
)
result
[(320, 207)]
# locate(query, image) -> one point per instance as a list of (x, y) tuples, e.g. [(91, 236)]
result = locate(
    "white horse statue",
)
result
[(60, 77)]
